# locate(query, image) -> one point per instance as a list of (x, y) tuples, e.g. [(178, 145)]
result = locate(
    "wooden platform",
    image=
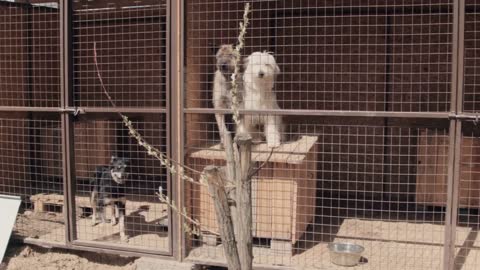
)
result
[(403, 245), (424, 233), (289, 152)]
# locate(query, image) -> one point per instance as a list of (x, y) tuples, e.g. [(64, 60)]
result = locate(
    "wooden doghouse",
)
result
[(283, 191), (432, 170)]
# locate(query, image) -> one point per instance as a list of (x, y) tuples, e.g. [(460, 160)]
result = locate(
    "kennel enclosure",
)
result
[(379, 98)]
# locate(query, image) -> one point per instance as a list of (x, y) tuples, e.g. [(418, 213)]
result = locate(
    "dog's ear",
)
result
[(113, 158), (223, 48), (277, 70), (245, 62)]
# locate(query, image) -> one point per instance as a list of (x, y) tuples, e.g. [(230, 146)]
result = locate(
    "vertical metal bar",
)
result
[(455, 134), (460, 55), (171, 230), (176, 118), (454, 65), (452, 198), (67, 123)]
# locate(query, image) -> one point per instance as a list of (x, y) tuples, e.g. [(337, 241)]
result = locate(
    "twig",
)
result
[(151, 150), (237, 54), (184, 214), (100, 76), (261, 165)]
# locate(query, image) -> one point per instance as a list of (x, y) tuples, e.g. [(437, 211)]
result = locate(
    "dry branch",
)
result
[(236, 231), (216, 187), (169, 164), (237, 53), (255, 171), (244, 201)]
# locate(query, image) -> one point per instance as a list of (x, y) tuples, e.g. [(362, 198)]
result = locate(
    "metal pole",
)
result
[(176, 119), (67, 123)]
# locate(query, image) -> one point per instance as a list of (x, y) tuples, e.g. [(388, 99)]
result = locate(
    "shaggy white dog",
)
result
[(259, 77)]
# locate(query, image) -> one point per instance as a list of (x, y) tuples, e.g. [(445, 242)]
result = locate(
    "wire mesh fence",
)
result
[(394, 185), (30, 55), (31, 166), (131, 46), (381, 186), (342, 55), (467, 217), (124, 181), (470, 97)]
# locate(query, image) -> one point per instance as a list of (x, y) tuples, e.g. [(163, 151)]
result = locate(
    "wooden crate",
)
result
[(432, 170), (283, 193)]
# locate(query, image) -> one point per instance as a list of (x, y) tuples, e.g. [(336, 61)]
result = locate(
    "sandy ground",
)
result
[(35, 258)]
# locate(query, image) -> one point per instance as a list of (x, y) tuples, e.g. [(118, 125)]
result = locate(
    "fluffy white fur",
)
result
[(259, 77)]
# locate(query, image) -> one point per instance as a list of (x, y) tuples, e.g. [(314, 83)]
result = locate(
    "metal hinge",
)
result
[(75, 111), (466, 117)]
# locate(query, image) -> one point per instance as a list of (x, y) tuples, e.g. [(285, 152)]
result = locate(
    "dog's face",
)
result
[(226, 60), (261, 66), (118, 168)]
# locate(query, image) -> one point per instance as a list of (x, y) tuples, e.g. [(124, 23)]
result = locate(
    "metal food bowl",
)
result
[(345, 254)]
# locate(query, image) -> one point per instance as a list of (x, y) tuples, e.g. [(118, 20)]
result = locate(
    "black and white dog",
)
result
[(108, 190)]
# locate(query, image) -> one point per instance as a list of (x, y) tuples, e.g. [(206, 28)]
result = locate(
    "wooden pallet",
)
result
[(43, 203)]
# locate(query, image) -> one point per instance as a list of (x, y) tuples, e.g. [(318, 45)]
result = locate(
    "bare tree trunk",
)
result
[(216, 186), (231, 176), (243, 185)]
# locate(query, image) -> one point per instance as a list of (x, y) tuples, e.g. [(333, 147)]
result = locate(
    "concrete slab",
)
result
[(156, 264)]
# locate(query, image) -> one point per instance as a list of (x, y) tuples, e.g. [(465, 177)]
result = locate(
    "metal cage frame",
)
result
[(176, 112)]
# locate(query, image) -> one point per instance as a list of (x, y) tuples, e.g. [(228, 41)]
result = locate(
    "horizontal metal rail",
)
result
[(82, 110), (440, 115)]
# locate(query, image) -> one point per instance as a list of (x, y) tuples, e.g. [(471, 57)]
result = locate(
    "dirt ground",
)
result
[(24, 257), (36, 258)]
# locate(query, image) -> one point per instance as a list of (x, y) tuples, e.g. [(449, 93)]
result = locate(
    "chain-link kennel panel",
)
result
[(130, 38), (117, 184), (31, 167), (367, 55), (29, 54), (381, 186)]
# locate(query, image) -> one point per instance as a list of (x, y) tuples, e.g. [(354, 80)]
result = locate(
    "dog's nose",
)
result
[(224, 67), (261, 74)]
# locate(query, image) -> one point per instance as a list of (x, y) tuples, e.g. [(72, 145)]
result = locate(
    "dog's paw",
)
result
[(257, 140), (273, 144), (124, 238)]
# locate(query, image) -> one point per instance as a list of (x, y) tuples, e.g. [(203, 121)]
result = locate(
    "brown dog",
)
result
[(222, 98)]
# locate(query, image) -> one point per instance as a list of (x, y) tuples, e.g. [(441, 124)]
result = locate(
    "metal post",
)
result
[(455, 135), (67, 123), (176, 118)]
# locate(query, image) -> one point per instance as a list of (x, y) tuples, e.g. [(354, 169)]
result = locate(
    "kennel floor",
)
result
[(388, 245), (146, 224)]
